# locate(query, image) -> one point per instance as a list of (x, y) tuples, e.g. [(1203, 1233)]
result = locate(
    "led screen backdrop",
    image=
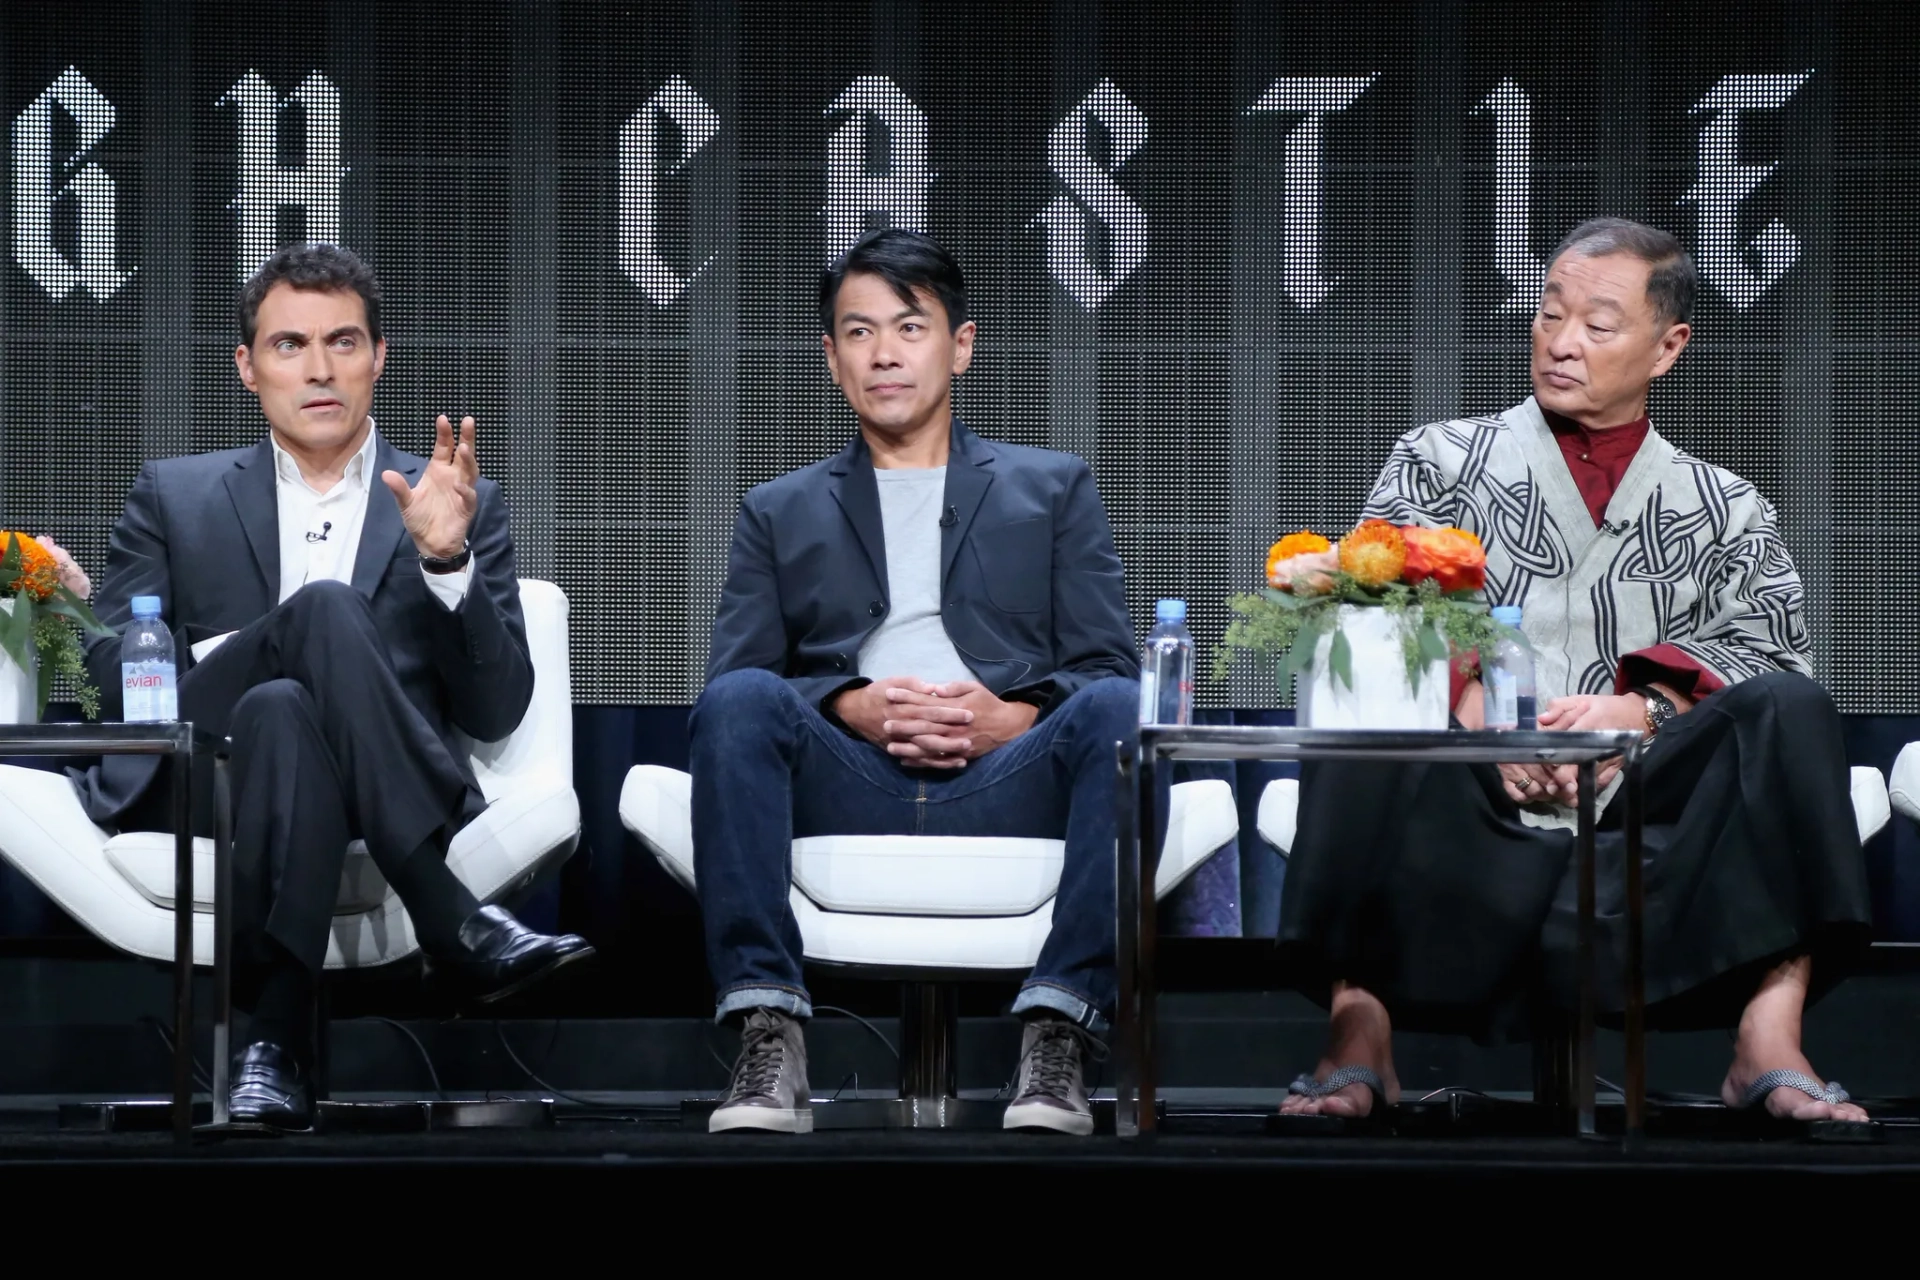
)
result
[(1225, 252)]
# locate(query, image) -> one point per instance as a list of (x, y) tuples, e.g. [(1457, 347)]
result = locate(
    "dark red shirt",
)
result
[(1598, 459)]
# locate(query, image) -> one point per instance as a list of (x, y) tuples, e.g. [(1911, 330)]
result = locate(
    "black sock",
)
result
[(283, 1007), (435, 899)]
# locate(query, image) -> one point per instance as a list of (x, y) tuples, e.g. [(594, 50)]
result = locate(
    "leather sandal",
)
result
[(1766, 1124), (1377, 1119)]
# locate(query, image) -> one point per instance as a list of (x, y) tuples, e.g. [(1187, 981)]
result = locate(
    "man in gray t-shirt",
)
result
[(923, 635), (911, 637)]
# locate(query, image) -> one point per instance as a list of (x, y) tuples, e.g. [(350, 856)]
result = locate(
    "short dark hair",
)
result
[(1673, 283), (907, 260), (327, 268)]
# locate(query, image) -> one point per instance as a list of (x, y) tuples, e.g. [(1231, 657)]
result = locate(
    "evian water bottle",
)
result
[(1506, 675), (147, 688), (1166, 668)]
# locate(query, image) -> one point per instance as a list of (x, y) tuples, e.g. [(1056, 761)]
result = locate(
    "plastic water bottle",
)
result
[(1166, 669), (148, 692), (1506, 675)]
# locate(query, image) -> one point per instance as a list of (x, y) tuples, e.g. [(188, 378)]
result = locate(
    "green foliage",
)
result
[(61, 654), (46, 630), (1285, 628)]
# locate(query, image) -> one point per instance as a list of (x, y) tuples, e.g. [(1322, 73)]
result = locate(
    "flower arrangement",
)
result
[(43, 619), (1430, 580)]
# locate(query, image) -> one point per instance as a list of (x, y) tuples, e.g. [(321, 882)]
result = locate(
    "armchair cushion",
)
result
[(1903, 783), (924, 875), (1870, 806)]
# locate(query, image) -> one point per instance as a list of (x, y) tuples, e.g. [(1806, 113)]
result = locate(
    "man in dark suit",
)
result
[(340, 636), (922, 635)]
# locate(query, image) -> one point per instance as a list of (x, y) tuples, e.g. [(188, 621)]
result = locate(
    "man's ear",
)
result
[(243, 361), (832, 354), (963, 347), (379, 358), (1672, 343)]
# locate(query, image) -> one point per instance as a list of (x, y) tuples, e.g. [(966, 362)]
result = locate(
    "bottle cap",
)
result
[(1171, 611), (1507, 614), (146, 606)]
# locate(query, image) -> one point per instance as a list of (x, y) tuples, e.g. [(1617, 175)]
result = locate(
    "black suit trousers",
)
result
[(327, 749)]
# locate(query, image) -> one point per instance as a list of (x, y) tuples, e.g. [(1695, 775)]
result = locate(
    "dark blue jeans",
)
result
[(769, 768)]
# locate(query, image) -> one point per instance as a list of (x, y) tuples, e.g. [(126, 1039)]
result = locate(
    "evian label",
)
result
[(147, 692)]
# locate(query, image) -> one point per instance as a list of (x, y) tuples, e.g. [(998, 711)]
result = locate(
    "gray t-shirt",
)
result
[(912, 640)]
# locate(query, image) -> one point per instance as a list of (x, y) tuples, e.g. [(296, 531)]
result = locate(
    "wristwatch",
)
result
[(450, 564), (1660, 709)]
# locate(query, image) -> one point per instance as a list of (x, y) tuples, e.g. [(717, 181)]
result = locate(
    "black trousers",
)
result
[(327, 749), (1422, 884)]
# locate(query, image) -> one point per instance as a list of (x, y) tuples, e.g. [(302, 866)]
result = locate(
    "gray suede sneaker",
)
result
[(1050, 1091), (769, 1089)]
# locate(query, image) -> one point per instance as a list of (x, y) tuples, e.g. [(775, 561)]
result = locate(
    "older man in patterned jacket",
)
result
[(1658, 596)]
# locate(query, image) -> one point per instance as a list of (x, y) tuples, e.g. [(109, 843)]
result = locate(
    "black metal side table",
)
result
[(1139, 858), (187, 747)]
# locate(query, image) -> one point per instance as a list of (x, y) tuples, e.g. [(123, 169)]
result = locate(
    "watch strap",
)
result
[(448, 564), (1660, 708)]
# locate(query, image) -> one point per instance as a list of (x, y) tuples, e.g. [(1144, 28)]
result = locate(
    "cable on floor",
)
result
[(501, 1034), (848, 1013), (200, 1077), (721, 1063), (425, 1057)]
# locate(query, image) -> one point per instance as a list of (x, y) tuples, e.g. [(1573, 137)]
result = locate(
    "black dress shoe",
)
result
[(495, 956), (270, 1087)]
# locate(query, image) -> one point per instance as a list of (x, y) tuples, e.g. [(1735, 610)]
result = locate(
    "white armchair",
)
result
[(928, 910), (1903, 782), (120, 887)]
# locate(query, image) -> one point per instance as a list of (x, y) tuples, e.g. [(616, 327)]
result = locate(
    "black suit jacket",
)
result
[(203, 534), (1030, 583)]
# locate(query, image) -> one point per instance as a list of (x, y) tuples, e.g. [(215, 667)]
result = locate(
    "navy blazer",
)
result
[(203, 533), (1030, 583)]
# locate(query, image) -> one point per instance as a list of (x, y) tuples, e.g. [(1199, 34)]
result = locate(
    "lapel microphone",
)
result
[(951, 518), (1615, 530), (325, 529)]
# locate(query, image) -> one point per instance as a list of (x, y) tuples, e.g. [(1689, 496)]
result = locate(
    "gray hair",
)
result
[(1673, 283)]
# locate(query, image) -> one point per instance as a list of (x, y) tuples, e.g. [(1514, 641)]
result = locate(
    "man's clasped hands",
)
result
[(1559, 784), (933, 726)]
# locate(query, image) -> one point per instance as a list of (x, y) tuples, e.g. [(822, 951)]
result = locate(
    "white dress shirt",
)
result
[(320, 532)]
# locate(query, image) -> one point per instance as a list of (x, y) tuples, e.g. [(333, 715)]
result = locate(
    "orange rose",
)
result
[(39, 572), (1453, 558), (1374, 554), (1300, 556)]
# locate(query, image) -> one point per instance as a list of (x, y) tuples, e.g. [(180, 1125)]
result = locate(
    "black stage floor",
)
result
[(657, 1150)]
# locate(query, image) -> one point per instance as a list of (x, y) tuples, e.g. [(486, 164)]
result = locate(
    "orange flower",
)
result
[(1374, 554), (1297, 544), (1289, 547), (39, 572), (1451, 557)]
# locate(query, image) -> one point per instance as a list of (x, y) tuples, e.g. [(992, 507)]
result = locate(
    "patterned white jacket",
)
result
[(1690, 555)]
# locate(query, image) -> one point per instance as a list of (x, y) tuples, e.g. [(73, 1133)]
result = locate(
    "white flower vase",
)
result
[(19, 689), (1381, 697)]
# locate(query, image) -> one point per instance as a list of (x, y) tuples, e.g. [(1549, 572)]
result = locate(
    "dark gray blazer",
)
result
[(203, 534), (1030, 583)]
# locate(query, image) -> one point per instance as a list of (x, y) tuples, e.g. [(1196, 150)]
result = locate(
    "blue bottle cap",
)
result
[(1171, 611), (1507, 614), (146, 606)]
